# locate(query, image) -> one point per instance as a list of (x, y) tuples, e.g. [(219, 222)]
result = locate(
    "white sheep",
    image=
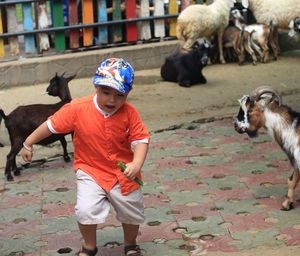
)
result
[(201, 20), (280, 12)]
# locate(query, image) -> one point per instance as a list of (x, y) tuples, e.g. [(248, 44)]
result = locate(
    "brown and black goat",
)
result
[(23, 120), (241, 42), (264, 109), (262, 34)]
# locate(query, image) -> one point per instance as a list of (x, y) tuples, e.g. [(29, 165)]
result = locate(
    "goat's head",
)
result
[(201, 49), (58, 86), (251, 117), (294, 26)]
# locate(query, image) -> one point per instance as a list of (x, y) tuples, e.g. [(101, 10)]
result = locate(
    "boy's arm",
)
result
[(139, 156), (37, 135)]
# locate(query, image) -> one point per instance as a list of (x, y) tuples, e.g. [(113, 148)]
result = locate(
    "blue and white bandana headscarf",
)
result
[(115, 73)]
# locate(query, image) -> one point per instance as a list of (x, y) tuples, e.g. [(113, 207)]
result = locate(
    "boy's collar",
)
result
[(105, 114)]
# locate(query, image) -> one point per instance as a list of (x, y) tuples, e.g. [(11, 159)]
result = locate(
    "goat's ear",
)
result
[(245, 3), (62, 75), (70, 78), (56, 74), (291, 24)]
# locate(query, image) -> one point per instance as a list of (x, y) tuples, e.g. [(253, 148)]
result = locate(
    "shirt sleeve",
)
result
[(63, 120), (138, 133)]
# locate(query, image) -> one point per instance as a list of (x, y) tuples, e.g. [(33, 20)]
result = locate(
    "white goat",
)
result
[(280, 12), (201, 20), (263, 109)]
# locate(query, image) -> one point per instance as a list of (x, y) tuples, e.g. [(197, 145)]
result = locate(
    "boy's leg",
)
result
[(130, 233), (88, 233)]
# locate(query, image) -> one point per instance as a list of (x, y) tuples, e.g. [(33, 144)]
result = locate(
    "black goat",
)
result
[(22, 121), (185, 68)]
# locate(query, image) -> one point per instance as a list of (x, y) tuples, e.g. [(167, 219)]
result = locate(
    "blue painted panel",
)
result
[(102, 17), (28, 25)]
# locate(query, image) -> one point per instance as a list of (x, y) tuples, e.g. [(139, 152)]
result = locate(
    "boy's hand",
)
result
[(124, 167), (26, 155), (131, 170)]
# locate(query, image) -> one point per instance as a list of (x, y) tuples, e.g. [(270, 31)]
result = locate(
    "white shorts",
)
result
[(93, 202)]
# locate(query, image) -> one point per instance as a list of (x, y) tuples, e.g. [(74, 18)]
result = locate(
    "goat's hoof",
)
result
[(287, 206), (17, 172), (9, 177), (1, 145), (67, 159)]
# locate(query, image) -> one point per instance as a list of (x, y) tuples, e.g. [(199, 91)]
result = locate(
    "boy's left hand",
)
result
[(131, 170)]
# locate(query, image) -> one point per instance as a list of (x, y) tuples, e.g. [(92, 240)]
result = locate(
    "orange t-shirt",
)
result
[(99, 141)]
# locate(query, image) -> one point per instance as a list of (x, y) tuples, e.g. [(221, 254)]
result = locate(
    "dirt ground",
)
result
[(163, 104)]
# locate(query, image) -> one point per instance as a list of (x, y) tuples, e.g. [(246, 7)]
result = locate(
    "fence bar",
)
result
[(58, 20), (131, 28), (87, 18), (73, 19), (159, 25), (12, 26), (102, 16), (79, 26), (117, 32), (2, 52), (28, 25), (173, 8), (144, 27)]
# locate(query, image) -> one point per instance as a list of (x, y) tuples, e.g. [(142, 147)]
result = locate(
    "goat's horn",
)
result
[(258, 92)]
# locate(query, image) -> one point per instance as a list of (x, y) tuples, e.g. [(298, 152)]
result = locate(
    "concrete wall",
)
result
[(83, 64)]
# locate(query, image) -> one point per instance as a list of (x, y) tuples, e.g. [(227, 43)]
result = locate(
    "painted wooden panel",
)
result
[(144, 31), (117, 29), (2, 52), (131, 27), (102, 17), (199, 1), (73, 20), (58, 21), (173, 9), (42, 38), (87, 18), (28, 25), (12, 26), (159, 25)]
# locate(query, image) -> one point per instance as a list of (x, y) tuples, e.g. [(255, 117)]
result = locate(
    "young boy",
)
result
[(106, 129)]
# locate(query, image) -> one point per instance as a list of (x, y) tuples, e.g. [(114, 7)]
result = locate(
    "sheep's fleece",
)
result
[(280, 12)]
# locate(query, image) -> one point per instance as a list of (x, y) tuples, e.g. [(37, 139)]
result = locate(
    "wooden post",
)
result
[(102, 17), (58, 21), (28, 25), (144, 30), (2, 52), (173, 9), (159, 25), (117, 29), (87, 18), (12, 26), (131, 28), (73, 20)]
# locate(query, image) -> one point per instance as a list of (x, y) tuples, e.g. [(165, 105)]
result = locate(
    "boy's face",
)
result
[(110, 99)]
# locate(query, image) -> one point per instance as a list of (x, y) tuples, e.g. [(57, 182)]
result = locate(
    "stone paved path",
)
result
[(207, 189)]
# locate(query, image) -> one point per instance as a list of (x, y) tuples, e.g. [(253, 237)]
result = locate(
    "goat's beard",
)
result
[(252, 134)]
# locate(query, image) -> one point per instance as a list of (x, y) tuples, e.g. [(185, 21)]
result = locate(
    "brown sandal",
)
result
[(87, 251), (132, 250)]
